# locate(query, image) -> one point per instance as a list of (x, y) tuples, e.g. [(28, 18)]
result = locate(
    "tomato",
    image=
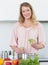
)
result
[(8, 63), (15, 62), (6, 59)]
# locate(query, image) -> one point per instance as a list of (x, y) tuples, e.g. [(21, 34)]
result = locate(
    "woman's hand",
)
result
[(18, 50), (35, 45), (38, 46), (26, 50)]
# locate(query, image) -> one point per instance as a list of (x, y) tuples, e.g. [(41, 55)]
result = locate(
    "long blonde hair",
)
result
[(33, 17)]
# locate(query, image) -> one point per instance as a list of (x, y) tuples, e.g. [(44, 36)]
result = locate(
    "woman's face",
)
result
[(26, 12)]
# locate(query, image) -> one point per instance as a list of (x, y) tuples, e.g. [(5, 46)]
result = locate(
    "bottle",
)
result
[(5, 54), (1, 54)]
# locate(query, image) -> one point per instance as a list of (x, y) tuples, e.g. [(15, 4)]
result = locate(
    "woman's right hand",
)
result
[(18, 50)]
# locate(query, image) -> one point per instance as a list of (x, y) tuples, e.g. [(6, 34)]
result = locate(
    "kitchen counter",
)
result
[(43, 60)]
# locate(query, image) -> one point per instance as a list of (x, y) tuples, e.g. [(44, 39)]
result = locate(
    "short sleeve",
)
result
[(14, 36), (41, 34)]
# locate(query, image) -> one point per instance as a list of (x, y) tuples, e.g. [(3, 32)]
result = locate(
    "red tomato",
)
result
[(6, 59), (15, 62)]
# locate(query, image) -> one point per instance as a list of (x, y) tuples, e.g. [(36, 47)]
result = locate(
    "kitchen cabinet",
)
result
[(43, 63)]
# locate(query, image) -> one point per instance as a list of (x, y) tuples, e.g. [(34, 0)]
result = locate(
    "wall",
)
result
[(44, 52), (5, 35), (9, 9)]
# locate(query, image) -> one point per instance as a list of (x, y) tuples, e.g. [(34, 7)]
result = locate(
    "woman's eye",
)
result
[(23, 11), (28, 10)]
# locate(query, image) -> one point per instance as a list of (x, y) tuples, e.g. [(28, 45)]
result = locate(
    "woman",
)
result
[(27, 28)]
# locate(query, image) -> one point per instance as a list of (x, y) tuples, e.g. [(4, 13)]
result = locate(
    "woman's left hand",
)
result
[(35, 45), (38, 46)]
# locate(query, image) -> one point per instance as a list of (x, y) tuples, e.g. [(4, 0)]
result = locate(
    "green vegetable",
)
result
[(31, 41), (36, 60), (30, 61), (22, 48), (22, 62)]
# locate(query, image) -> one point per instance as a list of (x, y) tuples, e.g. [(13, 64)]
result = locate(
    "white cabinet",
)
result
[(43, 63)]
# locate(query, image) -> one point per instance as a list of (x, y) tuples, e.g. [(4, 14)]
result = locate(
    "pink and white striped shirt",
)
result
[(21, 35)]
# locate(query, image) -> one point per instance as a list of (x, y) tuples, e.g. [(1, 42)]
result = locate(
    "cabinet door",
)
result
[(43, 63)]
